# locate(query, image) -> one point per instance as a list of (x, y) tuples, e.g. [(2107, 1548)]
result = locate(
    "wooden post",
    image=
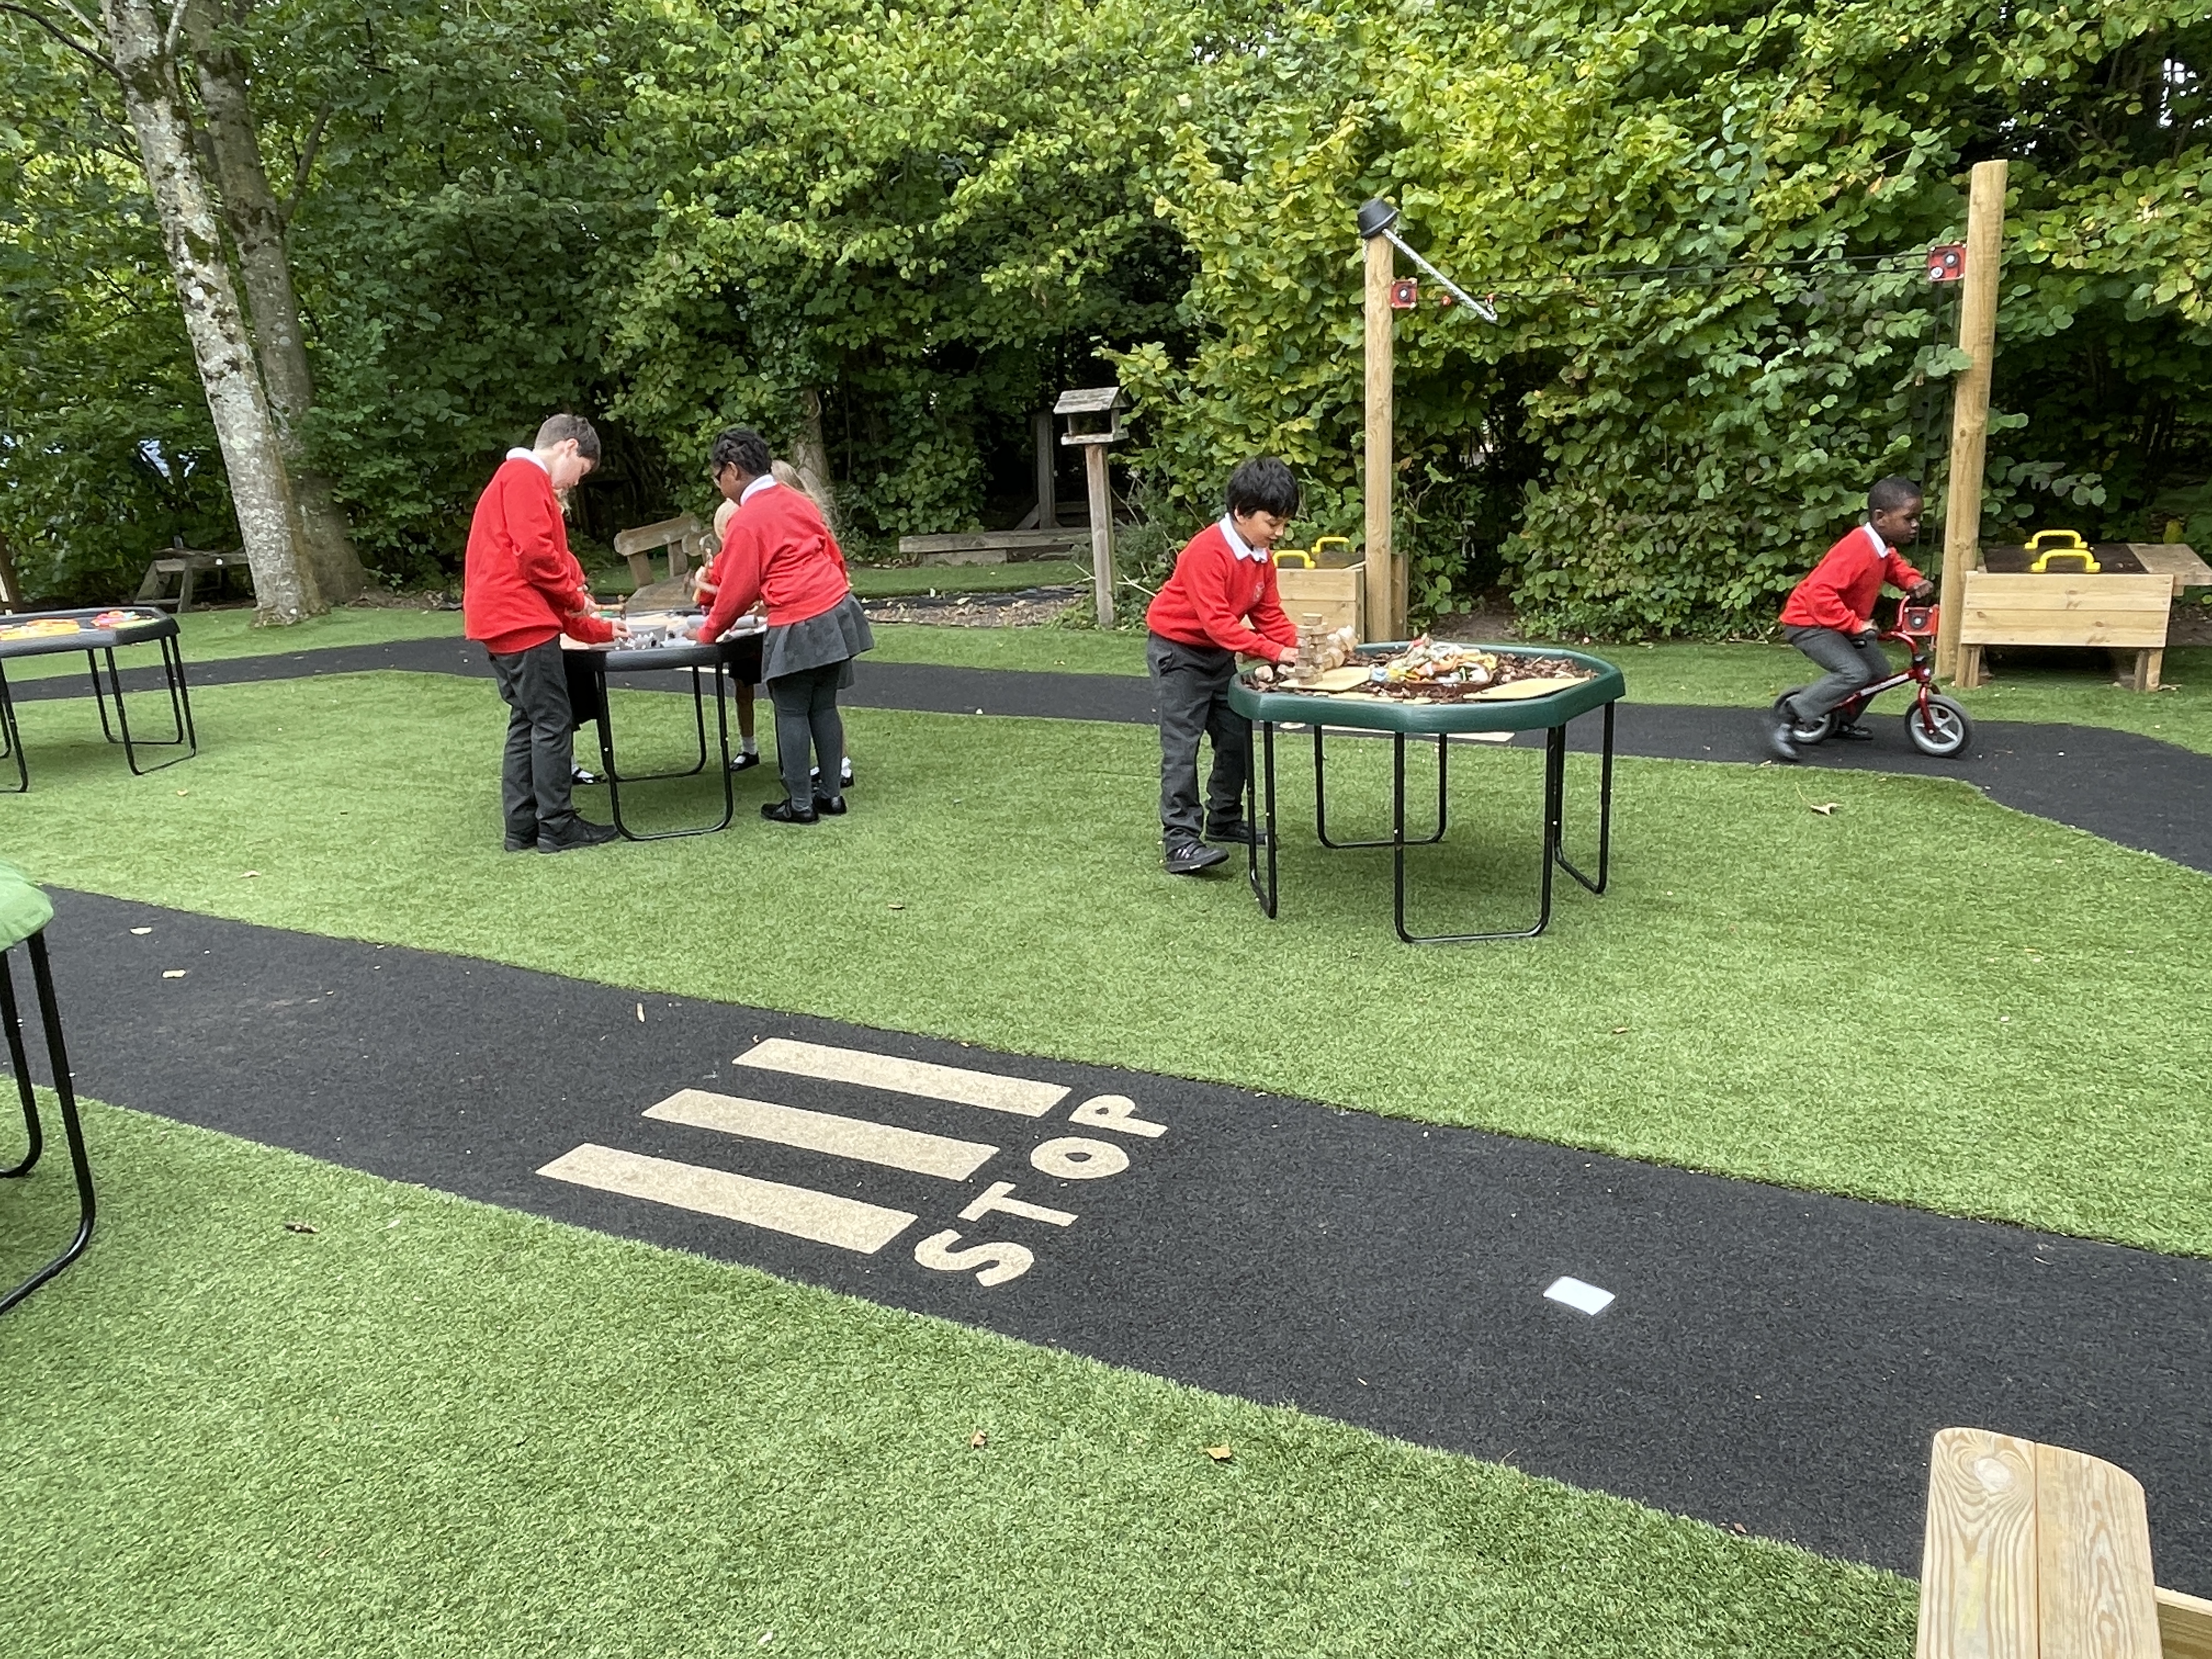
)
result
[(1386, 582), (1970, 403), (1101, 531), (1048, 486)]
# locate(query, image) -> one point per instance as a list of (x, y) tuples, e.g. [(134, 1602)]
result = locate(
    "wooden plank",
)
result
[(1970, 396), (1977, 1560), (2094, 1593), (2175, 559), (1101, 532), (2185, 1625), (1336, 595), (2121, 630), (1009, 542), (647, 537), (2150, 594)]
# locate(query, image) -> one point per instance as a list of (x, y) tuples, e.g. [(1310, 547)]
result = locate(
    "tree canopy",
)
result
[(890, 232)]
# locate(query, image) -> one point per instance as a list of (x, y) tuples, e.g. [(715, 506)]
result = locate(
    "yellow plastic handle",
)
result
[(1297, 553), (1319, 542), (2068, 540)]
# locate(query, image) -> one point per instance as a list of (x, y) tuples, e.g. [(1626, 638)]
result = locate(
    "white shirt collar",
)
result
[(1236, 542), (1881, 547), (530, 456), (764, 482)]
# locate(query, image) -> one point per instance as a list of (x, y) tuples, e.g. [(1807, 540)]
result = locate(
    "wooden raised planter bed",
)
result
[(2123, 607)]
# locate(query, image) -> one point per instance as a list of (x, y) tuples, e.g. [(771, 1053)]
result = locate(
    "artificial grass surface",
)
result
[(1922, 997), (1035, 650), (432, 1427), (218, 635)]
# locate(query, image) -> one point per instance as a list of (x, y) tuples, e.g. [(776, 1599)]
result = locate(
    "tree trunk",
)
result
[(284, 589), (257, 230), (810, 455)]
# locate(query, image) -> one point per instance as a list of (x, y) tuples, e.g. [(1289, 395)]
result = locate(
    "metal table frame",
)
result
[(741, 655), (96, 644), (72, 1130), (1550, 714)]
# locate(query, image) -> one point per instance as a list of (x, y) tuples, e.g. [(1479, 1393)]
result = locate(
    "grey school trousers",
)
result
[(1192, 685), (1850, 664), (533, 781)]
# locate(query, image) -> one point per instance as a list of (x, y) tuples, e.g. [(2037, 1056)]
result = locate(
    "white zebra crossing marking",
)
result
[(824, 1217), (885, 1144), (989, 1090)]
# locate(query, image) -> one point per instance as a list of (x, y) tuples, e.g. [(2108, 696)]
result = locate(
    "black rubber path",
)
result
[(1775, 1360), (2133, 790)]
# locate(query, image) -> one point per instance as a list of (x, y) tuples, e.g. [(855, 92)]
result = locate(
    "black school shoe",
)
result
[(1240, 833), (829, 806), (783, 811), (844, 775), (523, 843), (1853, 733), (744, 762), (581, 833), (1188, 858)]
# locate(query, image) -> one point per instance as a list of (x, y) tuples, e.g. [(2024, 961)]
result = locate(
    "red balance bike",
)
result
[(1936, 725)]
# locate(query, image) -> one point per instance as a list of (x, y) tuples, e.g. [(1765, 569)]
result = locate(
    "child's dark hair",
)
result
[(559, 428), (742, 447), (1891, 492), (1263, 484)]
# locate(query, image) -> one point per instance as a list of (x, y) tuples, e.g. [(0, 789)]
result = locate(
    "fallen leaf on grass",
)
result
[(249, 875), (298, 1227), (1618, 1030), (977, 1441), (174, 973), (898, 907), (1826, 809), (1219, 1454)]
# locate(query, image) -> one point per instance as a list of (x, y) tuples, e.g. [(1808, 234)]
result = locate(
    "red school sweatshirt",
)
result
[(1841, 592), (520, 585), (1214, 598), (776, 547)]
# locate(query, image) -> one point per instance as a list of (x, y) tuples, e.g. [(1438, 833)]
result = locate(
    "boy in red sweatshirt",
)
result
[(1221, 601), (1830, 615), (521, 589)]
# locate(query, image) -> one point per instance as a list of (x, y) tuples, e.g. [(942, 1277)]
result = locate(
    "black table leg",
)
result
[(1321, 800), (1604, 818), (1269, 895), (1555, 773), (181, 709), (72, 1130), (614, 780), (12, 736), (33, 1132)]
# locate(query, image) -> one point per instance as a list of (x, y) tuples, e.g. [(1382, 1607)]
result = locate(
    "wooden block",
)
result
[(1338, 595), (1978, 1561), (2094, 1591), (2185, 1625)]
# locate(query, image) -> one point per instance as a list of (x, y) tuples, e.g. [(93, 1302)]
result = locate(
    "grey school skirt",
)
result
[(838, 635)]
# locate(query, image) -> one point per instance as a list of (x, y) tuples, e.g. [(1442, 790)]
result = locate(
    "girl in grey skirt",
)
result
[(777, 548)]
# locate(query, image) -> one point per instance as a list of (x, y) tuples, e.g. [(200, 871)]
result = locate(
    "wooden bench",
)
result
[(2034, 1552), (993, 546), (184, 564), (683, 538)]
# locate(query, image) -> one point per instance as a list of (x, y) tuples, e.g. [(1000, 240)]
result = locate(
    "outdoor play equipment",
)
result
[(2056, 589), (1268, 708), (99, 635), (24, 913), (1936, 725)]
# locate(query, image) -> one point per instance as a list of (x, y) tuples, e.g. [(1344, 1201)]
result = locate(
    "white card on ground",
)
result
[(1583, 1298)]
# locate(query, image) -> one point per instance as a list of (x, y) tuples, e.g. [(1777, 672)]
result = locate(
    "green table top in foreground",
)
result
[(24, 908), (1354, 709)]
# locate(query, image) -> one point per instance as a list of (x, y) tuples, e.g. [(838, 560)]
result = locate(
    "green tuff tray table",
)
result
[(1270, 708), (24, 913)]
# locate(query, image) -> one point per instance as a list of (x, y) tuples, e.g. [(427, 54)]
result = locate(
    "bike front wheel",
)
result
[(1939, 727)]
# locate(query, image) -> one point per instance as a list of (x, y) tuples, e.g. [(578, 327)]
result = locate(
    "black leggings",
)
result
[(806, 709)]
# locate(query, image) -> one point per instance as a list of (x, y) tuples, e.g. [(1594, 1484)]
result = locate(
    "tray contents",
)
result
[(1431, 671)]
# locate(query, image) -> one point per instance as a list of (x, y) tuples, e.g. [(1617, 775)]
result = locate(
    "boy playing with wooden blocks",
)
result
[(1220, 601)]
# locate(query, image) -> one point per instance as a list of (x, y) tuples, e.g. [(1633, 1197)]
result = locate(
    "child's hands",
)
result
[(1921, 592)]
